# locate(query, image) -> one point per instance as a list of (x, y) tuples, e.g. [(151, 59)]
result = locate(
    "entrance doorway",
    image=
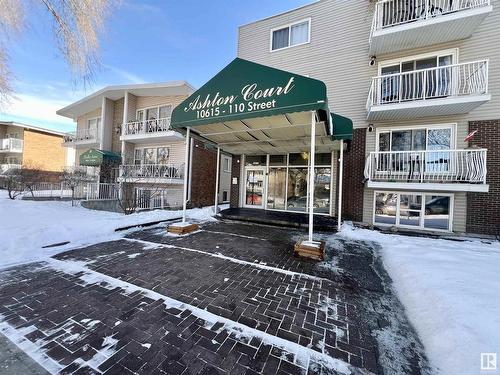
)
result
[(254, 187)]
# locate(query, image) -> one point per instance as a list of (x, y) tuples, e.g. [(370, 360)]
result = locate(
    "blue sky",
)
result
[(145, 41)]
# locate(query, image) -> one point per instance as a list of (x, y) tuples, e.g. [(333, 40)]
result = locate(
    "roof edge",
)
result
[(105, 89), (32, 127), (280, 14)]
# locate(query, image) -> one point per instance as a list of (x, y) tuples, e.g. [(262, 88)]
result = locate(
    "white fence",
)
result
[(161, 171), (389, 13), (146, 126), (88, 191), (7, 167), (149, 199), (82, 135), (11, 144), (452, 80), (466, 166)]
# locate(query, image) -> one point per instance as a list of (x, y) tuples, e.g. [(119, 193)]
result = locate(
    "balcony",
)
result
[(405, 24), (82, 173), (445, 90), (5, 169), (437, 170), (82, 137), (11, 145), (152, 173), (147, 130)]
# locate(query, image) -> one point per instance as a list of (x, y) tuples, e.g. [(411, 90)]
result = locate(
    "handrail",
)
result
[(455, 166), (168, 171), (90, 134), (146, 126), (469, 78), (390, 13)]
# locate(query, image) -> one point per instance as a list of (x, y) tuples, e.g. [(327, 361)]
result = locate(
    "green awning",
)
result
[(95, 158), (245, 90), (342, 127)]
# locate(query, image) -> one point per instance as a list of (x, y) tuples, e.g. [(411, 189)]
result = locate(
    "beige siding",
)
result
[(225, 177), (81, 122), (116, 144), (338, 55), (132, 106), (153, 101)]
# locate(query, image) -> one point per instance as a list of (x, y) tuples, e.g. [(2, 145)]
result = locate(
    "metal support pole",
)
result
[(186, 157), (311, 174), (341, 177), (217, 181)]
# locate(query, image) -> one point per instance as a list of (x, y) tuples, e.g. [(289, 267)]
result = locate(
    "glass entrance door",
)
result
[(254, 187)]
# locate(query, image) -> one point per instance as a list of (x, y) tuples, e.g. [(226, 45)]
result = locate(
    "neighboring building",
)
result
[(415, 79), (29, 146), (134, 122)]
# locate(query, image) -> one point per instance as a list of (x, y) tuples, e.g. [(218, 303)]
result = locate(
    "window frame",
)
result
[(451, 126), (142, 150), (144, 109), (454, 52), (423, 194), (226, 160), (97, 122), (289, 26)]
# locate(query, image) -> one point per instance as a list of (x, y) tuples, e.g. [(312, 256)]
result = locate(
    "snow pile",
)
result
[(27, 226), (451, 291)]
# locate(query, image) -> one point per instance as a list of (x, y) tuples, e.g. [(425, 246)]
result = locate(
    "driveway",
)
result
[(230, 298)]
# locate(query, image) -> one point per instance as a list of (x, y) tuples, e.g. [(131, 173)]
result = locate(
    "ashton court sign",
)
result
[(252, 98), (244, 89)]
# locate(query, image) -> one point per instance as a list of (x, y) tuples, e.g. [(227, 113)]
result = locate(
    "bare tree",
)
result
[(74, 178), (77, 27), (24, 180)]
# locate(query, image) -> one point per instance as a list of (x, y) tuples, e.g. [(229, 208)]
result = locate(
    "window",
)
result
[(154, 113), (291, 35), (416, 139), (415, 78), (413, 210), (93, 123), (151, 155), (434, 142), (224, 196), (226, 164)]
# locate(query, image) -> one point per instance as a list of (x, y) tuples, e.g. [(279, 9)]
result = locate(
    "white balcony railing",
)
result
[(11, 145), (149, 171), (4, 168), (82, 135), (146, 126), (389, 13), (433, 83), (439, 166)]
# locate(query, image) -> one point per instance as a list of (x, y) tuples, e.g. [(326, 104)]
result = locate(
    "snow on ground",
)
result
[(451, 291), (26, 226)]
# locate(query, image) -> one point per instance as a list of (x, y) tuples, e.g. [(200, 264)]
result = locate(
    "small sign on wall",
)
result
[(235, 181)]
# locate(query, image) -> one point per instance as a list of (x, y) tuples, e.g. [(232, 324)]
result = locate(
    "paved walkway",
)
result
[(228, 299)]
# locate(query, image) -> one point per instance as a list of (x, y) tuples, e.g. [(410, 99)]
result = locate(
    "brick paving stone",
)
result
[(100, 328)]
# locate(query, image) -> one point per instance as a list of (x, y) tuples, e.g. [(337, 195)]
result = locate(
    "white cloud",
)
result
[(37, 110), (128, 76)]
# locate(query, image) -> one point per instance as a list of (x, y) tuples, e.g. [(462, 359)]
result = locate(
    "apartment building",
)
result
[(24, 145), (416, 77), (130, 124)]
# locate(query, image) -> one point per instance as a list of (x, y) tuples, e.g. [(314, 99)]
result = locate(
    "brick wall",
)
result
[(235, 189), (483, 209), (353, 187), (43, 151), (204, 166)]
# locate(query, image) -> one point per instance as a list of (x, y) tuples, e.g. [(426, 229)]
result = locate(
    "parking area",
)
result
[(230, 298)]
